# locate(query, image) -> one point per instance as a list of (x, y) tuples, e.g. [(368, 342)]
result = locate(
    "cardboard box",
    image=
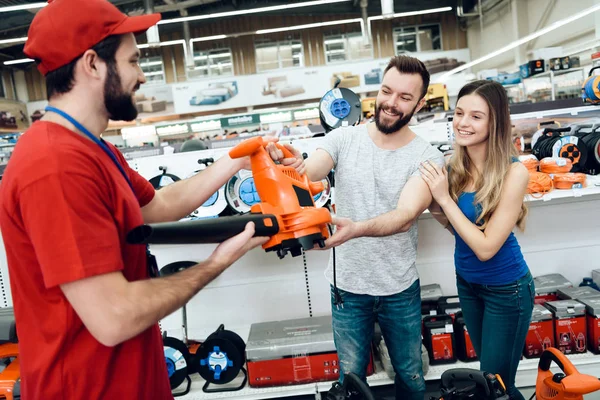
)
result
[(546, 287), (569, 325), (592, 308), (541, 332), (293, 352), (596, 276), (464, 346), (438, 338), (430, 294), (577, 293)]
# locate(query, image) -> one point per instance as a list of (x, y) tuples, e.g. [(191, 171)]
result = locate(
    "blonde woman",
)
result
[(479, 198)]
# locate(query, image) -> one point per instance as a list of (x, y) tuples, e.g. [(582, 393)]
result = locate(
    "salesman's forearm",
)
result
[(148, 301), (184, 196), (387, 224)]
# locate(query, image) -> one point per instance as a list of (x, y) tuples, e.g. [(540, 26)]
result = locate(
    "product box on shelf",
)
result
[(449, 305), (596, 276), (438, 338), (541, 332), (464, 346), (569, 325), (546, 287), (592, 307), (430, 294), (532, 68), (293, 352), (577, 293)]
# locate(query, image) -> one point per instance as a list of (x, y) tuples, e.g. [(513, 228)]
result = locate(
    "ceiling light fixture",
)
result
[(410, 13), (19, 61), (14, 40), (251, 11), (314, 25), (31, 6), (404, 14), (521, 41)]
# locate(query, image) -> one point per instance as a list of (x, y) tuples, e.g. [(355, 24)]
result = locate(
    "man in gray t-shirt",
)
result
[(379, 194)]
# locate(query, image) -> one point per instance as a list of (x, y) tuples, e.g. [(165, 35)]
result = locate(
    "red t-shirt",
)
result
[(65, 212)]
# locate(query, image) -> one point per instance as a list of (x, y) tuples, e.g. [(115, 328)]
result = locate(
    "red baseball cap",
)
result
[(65, 29)]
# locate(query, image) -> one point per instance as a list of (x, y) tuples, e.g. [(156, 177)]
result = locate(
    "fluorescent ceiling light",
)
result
[(308, 26), (251, 11), (521, 41), (14, 40), (31, 6), (205, 38), (168, 43), (287, 28), (404, 14), (19, 61), (411, 13)]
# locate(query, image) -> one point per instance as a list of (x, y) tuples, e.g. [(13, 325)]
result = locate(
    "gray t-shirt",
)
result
[(368, 183)]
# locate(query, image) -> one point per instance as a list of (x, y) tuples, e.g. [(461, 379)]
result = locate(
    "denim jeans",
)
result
[(399, 317), (498, 319)]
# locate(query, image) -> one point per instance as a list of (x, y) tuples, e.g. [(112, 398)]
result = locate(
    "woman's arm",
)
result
[(485, 244)]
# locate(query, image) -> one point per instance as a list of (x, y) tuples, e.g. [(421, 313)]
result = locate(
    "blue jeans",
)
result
[(399, 317), (498, 319)]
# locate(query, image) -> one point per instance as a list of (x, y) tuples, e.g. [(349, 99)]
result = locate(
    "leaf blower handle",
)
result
[(247, 147), (251, 146), (552, 354)]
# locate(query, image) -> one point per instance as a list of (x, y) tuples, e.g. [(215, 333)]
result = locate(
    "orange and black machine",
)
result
[(567, 384), (10, 377), (286, 212)]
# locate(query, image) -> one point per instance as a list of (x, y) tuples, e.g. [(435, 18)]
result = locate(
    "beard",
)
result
[(394, 127), (118, 103)]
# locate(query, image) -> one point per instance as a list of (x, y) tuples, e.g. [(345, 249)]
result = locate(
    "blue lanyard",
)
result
[(99, 142), (150, 259)]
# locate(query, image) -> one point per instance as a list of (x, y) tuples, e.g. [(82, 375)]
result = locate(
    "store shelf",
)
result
[(586, 363), (247, 393), (591, 192), (545, 109)]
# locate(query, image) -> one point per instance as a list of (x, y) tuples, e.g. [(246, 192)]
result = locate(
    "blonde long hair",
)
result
[(500, 154)]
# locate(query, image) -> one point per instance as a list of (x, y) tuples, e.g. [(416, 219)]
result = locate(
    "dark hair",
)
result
[(410, 65), (61, 80)]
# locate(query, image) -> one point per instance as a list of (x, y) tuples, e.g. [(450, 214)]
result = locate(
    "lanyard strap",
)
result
[(99, 142), (150, 259)]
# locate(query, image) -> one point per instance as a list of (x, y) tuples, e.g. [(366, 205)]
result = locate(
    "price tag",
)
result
[(449, 328)]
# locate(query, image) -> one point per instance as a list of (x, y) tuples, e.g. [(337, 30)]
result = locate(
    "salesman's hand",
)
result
[(345, 230), (234, 248), (296, 162), (246, 160)]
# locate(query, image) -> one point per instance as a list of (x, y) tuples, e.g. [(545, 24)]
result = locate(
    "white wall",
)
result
[(499, 29)]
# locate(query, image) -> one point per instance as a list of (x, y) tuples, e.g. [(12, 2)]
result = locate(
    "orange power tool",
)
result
[(10, 376), (569, 384), (288, 196), (286, 213)]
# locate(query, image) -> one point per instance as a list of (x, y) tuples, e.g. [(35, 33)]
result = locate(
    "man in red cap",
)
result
[(85, 306)]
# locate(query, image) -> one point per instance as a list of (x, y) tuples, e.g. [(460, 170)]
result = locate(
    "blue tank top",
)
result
[(508, 265)]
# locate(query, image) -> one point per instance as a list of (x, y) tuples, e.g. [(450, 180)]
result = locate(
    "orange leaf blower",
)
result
[(286, 213), (288, 196), (569, 384), (11, 375)]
